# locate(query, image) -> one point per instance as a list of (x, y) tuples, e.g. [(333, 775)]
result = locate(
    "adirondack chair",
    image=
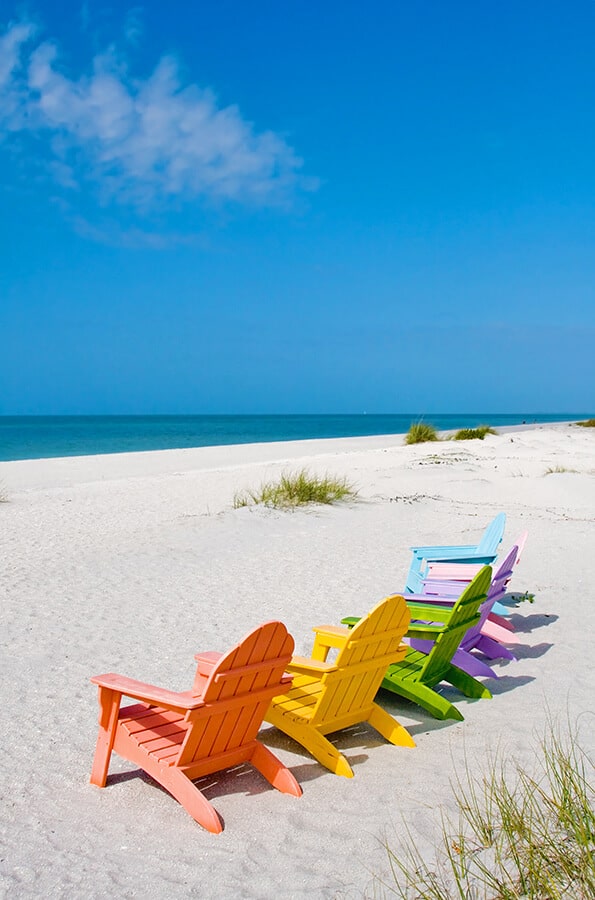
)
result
[(464, 572), (328, 696), (415, 676), (484, 552), (474, 637), (177, 737)]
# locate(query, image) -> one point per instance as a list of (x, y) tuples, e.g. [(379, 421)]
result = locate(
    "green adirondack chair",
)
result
[(416, 676)]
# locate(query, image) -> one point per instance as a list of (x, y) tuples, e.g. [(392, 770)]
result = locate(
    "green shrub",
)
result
[(420, 432), (518, 836), (588, 423), (467, 434), (297, 489)]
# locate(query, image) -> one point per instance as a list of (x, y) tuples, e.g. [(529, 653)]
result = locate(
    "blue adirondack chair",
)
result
[(474, 639), (484, 552)]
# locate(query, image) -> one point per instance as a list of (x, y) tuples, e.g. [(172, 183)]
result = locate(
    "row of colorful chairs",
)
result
[(177, 737)]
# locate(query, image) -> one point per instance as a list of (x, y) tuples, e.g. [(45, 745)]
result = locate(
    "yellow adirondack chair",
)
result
[(179, 736), (328, 696)]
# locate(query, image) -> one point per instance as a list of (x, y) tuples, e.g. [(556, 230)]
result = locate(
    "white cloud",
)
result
[(141, 141)]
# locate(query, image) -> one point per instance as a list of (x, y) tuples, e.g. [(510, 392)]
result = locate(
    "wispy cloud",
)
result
[(142, 142)]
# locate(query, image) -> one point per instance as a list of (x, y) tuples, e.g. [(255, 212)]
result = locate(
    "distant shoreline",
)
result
[(51, 437), (56, 472)]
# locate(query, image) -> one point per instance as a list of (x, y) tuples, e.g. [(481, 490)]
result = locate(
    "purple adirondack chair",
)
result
[(474, 638)]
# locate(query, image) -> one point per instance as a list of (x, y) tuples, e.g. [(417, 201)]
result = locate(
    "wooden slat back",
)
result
[(250, 673), (465, 614), (492, 536), (362, 664)]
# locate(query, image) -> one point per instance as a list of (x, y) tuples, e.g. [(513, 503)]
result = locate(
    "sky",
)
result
[(285, 207)]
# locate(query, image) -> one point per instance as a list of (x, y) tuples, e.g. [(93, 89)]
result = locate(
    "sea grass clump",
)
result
[(420, 432), (468, 434), (297, 489)]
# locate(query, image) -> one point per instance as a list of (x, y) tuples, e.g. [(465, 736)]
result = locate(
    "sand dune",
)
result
[(133, 562)]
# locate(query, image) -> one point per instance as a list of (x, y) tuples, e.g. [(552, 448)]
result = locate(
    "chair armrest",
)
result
[(333, 632), (430, 612), (206, 661), (424, 631), (433, 587), (305, 665), (328, 636), (444, 552), (426, 599), (463, 555), (150, 693)]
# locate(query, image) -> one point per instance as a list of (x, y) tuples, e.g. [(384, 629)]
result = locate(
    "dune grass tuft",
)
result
[(518, 834), (297, 489), (420, 432), (588, 423), (467, 434), (558, 470)]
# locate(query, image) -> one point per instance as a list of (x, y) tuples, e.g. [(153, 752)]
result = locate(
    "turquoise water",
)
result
[(38, 437)]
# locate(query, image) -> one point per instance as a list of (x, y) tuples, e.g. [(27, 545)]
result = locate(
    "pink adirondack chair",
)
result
[(177, 737)]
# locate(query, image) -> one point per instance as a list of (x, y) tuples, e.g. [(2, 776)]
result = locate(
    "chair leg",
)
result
[(501, 620), (109, 707), (188, 795), (274, 771), (472, 665), (437, 706), (389, 728), (468, 685), (320, 748), (493, 649)]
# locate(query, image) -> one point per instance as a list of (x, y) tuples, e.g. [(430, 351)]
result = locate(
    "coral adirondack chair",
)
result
[(416, 676), (328, 696), (474, 638), (484, 553), (177, 737)]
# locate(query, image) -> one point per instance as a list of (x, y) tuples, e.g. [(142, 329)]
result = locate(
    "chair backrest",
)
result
[(496, 592), (361, 664), (520, 543), (492, 536), (464, 615), (238, 692)]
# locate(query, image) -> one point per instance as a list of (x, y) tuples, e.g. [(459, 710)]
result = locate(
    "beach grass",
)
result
[(517, 834), (559, 470), (467, 434), (297, 489), (588, 423), (420, 432)]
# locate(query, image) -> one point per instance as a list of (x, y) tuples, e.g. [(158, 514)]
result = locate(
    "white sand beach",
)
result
[(132, 563)]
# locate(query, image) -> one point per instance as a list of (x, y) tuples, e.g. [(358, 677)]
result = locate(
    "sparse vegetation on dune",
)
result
[(297, 489), (558, 470), (518, 835), (467, 434), (420, 432), (588, 423)]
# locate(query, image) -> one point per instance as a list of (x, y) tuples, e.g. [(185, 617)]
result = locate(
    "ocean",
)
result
[(39, 437)]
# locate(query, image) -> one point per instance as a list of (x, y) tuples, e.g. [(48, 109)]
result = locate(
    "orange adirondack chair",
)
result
[(177, 737), (326, 697)]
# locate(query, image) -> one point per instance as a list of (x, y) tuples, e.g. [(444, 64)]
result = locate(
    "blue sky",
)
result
[(283, 207)]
